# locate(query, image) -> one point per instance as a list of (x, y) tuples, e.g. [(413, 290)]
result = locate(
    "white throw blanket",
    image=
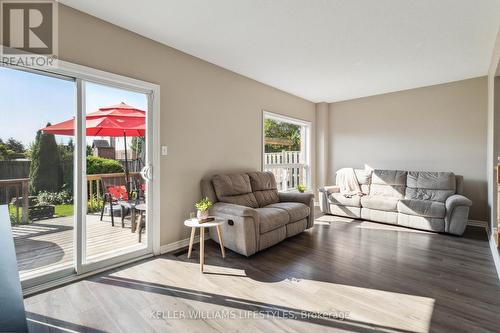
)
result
[(348, 182)]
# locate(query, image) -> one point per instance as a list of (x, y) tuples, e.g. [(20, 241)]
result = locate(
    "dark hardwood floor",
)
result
[(343, 275)]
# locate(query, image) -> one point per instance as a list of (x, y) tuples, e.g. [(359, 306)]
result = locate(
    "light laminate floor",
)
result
[(379, 277)]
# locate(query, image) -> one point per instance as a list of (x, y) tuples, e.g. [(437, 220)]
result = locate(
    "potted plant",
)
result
[(301, 188), (203, 206)]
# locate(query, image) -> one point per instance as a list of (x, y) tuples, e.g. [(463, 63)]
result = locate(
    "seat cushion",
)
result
[(295, 210), (272, 218), (435, 186), (340, 199), (425, 208), (264, 188), (235, 189), (387, 204)]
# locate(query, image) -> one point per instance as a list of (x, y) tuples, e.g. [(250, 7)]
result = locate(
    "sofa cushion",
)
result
[(266, 197), (264, 188), (388, 183), (425, 208), (387, 204), (363, 176), (272, 218), (364, 179), (235, 189), (340, 199), (435, 186), (295, 210)]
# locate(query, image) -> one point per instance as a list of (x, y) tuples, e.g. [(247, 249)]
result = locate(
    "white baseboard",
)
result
[(180, 244), (478, 223), (491, 241), (494, 251)]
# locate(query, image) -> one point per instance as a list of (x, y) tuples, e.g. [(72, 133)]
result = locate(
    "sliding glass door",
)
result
[(116, 140), (75, 169), (37, 168)]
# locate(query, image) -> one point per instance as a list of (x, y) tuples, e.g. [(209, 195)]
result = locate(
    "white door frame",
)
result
[(86, 74)]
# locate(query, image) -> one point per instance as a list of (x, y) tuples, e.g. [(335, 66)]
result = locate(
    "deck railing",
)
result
[(94, 186), (288, 168), (21, 187)]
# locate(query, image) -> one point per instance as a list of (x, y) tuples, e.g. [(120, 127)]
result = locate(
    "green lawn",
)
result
[(64, 210), (61, 211)]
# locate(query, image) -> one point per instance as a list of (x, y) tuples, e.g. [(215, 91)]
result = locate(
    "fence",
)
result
[(12, 170), (133, 165), (20, 188), (288, 167)]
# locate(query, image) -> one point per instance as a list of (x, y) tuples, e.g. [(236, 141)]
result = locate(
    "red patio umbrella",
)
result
[(116, 121)]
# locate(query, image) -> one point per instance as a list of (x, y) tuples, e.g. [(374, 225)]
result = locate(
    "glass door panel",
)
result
[(74, 171), (37, 169), (116, 138)]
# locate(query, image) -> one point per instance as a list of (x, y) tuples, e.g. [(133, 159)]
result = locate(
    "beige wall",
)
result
[(211, 118), (436, 128), (322, 141), (493, 130)]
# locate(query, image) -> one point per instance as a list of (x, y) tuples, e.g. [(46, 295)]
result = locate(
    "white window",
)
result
[(286, 150)]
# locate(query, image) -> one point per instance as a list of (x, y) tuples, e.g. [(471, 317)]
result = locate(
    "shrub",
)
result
[(44, 167), (94, 204), (53, 198), (97, 165)]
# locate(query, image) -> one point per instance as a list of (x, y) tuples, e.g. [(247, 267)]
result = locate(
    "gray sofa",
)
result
[(258, 215), (417, 199)]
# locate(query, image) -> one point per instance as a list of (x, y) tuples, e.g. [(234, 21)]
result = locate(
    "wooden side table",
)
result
[(193, 224)]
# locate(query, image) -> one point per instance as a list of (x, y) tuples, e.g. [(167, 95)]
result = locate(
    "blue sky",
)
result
[(29, 101)]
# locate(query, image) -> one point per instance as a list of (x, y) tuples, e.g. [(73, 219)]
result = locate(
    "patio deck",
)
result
[(49, 243)]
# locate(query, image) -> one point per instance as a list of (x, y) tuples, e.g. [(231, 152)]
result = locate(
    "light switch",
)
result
[(164, 150)]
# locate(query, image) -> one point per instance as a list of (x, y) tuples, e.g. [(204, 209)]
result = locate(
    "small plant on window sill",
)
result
[(301, 188)]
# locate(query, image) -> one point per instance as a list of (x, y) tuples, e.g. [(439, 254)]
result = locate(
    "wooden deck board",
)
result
[(46, 243)]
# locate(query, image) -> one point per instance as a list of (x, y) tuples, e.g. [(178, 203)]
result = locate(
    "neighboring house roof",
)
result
[(100, 143)]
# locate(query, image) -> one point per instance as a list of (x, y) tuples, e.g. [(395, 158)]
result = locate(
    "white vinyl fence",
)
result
[(289, 169)]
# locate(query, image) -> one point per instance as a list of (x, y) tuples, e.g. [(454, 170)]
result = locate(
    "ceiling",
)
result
[(321, 50)]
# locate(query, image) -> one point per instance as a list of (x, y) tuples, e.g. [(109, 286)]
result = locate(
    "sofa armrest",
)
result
[(457, 200), (305, 198), (234, 210), (329, 189), (241, 233), (457, 214)]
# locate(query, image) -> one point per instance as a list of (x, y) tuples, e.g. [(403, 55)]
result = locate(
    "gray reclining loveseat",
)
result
[(258, 215), (417, 199)]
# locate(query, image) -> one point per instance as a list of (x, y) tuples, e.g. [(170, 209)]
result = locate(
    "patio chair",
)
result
[(115, 193), (115, 190), (139, 186)]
